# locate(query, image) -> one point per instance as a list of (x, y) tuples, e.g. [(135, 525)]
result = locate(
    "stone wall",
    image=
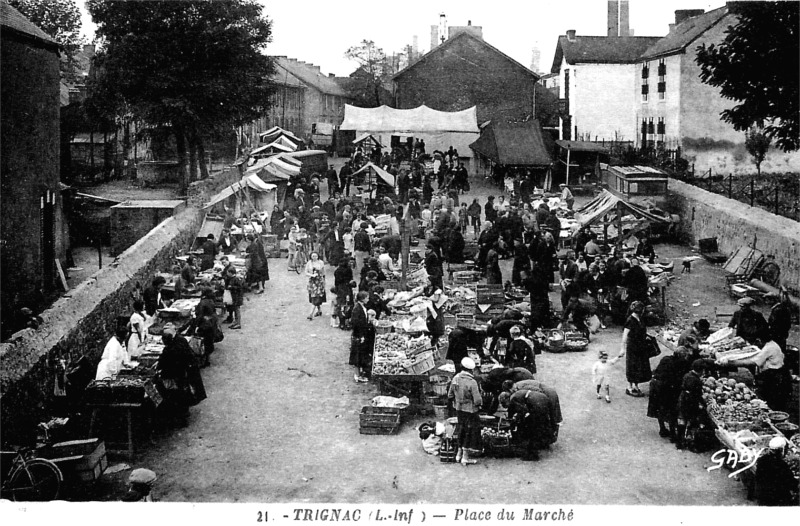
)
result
[(80, 324), (735, 224)]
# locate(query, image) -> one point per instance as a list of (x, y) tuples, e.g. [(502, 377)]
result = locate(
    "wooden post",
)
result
[(405, 243), (752, 192), (99, 253), (619, 229), (568, 152)]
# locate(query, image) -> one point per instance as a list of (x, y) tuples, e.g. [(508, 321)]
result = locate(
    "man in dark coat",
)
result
[(360, 355), (635, 281), (433, 263), (780, 319), (489, 212), (531, 411), (333, 181), (749, 324), (665, 388), (209, 249), (537, 286), (345, 178)]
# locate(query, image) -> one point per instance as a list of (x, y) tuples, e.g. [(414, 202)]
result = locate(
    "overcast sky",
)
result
[(320, 31)]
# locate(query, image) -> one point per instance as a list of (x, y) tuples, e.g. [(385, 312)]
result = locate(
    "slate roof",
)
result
[(308, 74), (683, 34), (13, 20), (600, 50), (450, 41)]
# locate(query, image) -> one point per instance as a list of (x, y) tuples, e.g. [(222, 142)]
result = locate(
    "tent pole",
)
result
[(568, 152), (404, 247)]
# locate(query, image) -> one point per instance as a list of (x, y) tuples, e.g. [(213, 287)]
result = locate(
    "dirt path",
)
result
[(281, 425)]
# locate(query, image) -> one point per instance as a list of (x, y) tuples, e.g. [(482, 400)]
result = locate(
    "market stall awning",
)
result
[(607, 202), (383, 174), (422, 119), (252, 182), (276, 132), (582, 146), (366, 136), (517, 144)]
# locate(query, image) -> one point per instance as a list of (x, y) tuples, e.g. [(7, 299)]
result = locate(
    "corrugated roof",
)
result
[(600, 50), (12, 19), (309, 74), (685, 33), (450, 42), (518, 144)]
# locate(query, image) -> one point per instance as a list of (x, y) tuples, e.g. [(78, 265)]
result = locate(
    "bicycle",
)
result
[(300, 257), (30, 478)]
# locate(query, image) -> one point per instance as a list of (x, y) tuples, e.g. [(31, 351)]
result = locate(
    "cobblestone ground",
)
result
[(281, 424)]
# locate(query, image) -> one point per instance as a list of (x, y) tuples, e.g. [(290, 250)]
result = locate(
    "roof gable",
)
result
[(683, 34), (600, 50), (310, 75), (16, 22), (450, 42)]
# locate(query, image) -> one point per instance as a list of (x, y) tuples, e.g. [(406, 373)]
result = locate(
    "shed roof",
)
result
[(582, 146), (150, 203), (683, 34), (600, 50), (310, 75), (14, 21), (518, 144)]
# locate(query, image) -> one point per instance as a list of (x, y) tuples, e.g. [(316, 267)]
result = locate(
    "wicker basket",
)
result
[(440, 411), (439, 385)]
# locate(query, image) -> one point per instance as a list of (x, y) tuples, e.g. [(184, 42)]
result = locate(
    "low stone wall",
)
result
[(202, 191), (81, 323), (735, 224)]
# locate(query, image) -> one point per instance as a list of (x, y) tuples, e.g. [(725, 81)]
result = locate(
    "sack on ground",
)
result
[(594, 324)]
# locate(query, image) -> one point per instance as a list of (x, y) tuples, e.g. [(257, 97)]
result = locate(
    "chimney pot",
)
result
[(469, 22), (571, 35)]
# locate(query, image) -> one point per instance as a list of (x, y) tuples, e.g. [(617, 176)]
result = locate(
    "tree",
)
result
[(61, 19), (756, 65), (373, 71), (757, 144), (196, 67)]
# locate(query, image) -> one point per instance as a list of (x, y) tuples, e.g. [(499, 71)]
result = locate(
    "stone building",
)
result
[(466, 71), (33, 230)]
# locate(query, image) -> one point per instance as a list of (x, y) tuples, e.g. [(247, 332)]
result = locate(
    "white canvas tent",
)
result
[(383, 174), (439, 129), (251, 193)]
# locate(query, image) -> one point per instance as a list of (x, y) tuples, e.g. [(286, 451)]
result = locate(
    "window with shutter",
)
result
[(661, 129), (645, 71), (650, 127), (645, 89)]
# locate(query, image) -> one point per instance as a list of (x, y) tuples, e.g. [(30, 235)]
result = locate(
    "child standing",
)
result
[(463, 218), (600, 376)]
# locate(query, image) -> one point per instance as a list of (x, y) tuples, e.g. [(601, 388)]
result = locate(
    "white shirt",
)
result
[(770, 357), (386, 264), (349, 242), (114, 355), (599, 373)]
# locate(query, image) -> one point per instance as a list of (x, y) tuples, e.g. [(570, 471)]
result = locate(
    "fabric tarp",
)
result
[(251, 182), (607, 202), (275, 132), (383, 174), (422, 119), (519, 144), (367, 136)]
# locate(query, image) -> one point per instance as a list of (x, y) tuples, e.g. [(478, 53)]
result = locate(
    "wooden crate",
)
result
[(379, 420), (423, 363), (79, 460)]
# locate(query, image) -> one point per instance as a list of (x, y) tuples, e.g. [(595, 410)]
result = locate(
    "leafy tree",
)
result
[(61, 19), (196, 67), (366, 84), (757, 144), (756, 65)]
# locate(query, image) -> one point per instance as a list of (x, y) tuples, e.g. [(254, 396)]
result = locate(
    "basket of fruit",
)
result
[(777, 416)]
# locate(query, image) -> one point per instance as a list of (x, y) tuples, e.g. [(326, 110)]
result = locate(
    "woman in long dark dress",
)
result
[(360, 351), (258, 272), (665, 387), (634, 348), (342, 287), (493, 274)]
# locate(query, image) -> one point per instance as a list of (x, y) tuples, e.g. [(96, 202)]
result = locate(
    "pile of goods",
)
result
[(575, 341), (397, 353), (123, 389), (722, 390), (496, 435)]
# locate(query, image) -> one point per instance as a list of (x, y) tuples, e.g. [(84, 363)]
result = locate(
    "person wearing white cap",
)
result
[(749, 324), (566, 195), (775, 484), (773, 381), (466, 399)]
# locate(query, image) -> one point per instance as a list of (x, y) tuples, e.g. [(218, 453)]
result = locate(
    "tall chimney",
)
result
[(434, 36), (442, 27), (613, 18), (571, 35), (415, 46), (624, 22)]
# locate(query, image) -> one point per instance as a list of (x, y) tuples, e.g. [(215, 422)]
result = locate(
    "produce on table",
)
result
[(393, 352)]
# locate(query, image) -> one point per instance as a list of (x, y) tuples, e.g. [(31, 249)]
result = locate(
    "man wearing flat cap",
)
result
[(750, 325)]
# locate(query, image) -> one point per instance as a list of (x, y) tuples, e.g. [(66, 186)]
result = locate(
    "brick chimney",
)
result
[(684, 14), (434, 36), (624, 19), (613, 18), (571, 35)]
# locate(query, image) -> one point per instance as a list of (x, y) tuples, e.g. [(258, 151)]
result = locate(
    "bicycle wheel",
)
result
[(300, 260), (37, 480)]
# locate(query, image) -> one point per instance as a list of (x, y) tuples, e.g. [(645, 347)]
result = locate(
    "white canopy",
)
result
[(418, 120), (251, 182), (386, 176), (365, 136)]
